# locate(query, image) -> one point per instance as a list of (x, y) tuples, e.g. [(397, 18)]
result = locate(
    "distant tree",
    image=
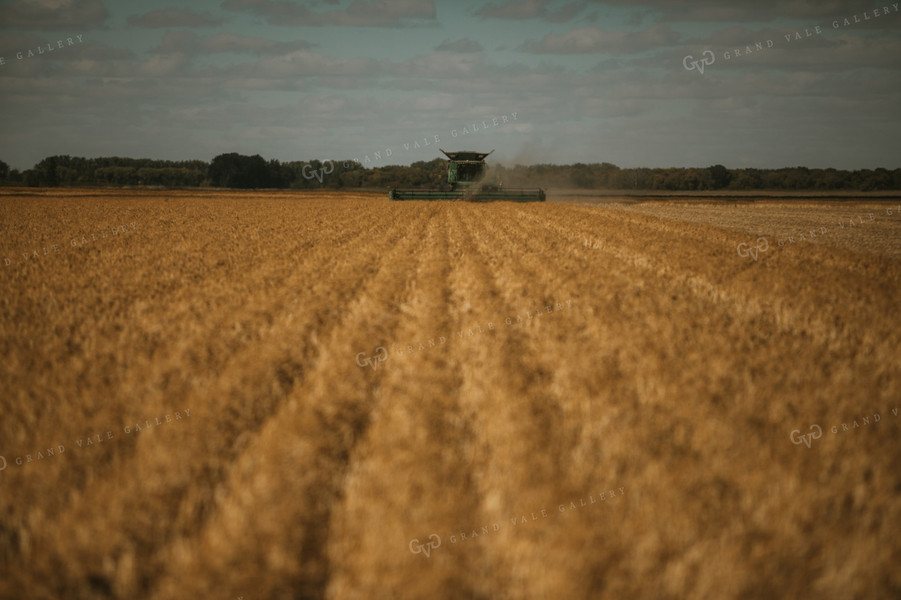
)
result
[(117, 175), (720, 176), (880, 179), (581, 176), (352, 179), (745, 179), (239, 171), (234, 170), (797, 178), (45, 171), (830, 179), (280, 176)]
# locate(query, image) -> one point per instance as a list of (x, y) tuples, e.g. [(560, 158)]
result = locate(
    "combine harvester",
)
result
[(465, 171)]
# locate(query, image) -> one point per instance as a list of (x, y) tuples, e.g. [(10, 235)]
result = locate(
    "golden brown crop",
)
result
[(254, 399)]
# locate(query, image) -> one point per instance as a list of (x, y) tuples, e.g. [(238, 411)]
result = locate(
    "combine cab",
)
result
[(465, 171)]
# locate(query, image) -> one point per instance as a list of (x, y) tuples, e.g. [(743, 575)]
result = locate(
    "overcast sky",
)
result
[(654, 83)]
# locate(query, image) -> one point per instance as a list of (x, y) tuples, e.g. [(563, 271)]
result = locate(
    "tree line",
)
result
[(234, 170)]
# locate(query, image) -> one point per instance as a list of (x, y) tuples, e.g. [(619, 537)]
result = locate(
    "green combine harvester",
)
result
[(465, 171)]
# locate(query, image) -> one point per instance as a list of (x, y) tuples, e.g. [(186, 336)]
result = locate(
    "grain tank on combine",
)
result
[(465, 174)]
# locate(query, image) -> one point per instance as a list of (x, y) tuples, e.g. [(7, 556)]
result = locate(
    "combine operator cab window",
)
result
[(469, 172)]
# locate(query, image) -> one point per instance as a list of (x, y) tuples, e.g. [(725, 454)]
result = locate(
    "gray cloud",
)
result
[(375, 13), (514, 9), (231, 42), (463, 46), (744, 10), (583, 40), (174, 17), (190, 43), (54, 15), (520, 10), (357, 71), (566, 13)]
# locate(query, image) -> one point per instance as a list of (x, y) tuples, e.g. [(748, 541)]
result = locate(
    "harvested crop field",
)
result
[(280, 396)]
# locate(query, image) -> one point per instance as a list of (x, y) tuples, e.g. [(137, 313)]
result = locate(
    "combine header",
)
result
[(465, 171)]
